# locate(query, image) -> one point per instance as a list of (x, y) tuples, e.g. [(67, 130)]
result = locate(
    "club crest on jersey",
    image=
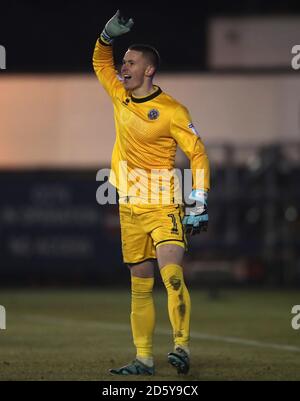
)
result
[(192, 127), (153, 114)]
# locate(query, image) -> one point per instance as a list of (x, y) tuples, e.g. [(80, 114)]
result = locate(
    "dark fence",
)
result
[(52, 230), (254, 208)]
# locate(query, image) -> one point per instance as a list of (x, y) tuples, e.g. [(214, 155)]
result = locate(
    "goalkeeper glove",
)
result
[(197, 219), (116, 26)]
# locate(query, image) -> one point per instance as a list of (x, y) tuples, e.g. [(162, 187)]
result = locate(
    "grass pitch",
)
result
[(80, 334)]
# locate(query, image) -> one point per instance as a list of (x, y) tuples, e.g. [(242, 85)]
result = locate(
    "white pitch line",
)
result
[(160, 331)]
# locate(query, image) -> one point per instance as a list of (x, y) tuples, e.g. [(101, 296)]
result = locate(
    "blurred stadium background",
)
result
[(231, 65)]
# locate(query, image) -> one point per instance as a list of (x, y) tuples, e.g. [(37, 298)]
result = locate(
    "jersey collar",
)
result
[(146, 98)]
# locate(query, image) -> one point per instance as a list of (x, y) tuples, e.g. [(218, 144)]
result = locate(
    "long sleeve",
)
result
[(184, 133), (103, 64)]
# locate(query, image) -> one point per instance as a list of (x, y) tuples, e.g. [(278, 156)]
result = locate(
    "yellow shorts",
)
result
[(145, 227)]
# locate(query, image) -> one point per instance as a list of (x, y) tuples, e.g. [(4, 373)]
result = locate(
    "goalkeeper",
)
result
[(149, 125)]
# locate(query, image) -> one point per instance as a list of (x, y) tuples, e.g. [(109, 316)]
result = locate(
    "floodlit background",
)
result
[(237, 69)]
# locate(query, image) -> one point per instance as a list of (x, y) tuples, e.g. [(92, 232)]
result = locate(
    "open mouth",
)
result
[(126, 77)]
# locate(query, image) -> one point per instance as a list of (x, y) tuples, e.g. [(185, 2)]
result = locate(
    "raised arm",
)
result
[(103, 62), (186, 136)]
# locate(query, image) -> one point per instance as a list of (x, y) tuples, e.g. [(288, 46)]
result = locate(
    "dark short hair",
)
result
[(149, 52)]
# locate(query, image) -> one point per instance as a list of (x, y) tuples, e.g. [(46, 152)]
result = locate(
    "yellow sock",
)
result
[(179, 303), (142, 315)]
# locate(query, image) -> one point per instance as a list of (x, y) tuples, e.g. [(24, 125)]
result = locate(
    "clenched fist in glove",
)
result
[(115, 27)]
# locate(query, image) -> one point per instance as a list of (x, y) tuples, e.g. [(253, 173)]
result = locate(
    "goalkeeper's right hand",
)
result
[(116, 26)]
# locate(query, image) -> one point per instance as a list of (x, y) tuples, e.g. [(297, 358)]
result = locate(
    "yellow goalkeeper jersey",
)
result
[(148, 131)]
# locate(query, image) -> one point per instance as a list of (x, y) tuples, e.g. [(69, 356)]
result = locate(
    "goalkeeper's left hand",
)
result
[(197, 219)]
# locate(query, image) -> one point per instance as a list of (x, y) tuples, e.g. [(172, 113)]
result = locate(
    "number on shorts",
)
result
[(175, 227)]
